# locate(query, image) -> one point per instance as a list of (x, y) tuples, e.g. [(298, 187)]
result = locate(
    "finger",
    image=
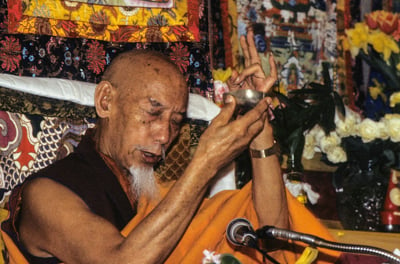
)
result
[(231, 82), (252, 49), (254, 120), (226, 113), (254, 70), (273, 70), (257, 112), (245, 49)]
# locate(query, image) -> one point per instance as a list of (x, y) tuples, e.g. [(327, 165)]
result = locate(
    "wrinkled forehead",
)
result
[(163, 92), (142, 70), (149, 76)]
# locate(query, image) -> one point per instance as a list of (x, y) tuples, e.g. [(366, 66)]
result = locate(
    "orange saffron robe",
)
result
[(207, 230)]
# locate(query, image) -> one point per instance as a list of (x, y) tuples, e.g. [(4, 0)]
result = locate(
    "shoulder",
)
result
[(45, 192), (45, 204)]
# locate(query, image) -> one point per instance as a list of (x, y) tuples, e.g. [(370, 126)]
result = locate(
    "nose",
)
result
[(161, 132)]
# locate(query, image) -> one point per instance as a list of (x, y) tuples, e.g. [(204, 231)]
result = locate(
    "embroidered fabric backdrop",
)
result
[(131, 3), (85, 59), (108, 23)]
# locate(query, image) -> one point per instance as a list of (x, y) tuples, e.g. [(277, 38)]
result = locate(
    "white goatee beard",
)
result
[(143, 183)]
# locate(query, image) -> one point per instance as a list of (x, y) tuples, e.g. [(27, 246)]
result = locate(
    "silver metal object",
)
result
[(246, 99)]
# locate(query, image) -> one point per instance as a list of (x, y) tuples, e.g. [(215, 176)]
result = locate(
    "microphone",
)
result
[(239, 232)]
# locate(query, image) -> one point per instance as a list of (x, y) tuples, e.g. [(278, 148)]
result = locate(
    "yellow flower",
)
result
[(221, 74), (383, 43), (358, 38), (377, 90), (394, 99)]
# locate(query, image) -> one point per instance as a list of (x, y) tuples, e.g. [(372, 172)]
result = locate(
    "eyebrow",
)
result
[(156, 103)]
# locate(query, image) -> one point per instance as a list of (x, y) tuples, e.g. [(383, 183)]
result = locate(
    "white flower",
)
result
[(211, 258), (383, 130), (393, 127), (308, 151), (348, 126), (369, 130), (329, 142), (337, 155), (317, 133), (309, 144)]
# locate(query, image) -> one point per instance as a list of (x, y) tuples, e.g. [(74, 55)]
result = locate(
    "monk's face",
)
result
[(146, 114)]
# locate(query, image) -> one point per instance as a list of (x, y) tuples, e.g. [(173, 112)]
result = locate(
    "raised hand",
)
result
[(225, 138), (253, 76)]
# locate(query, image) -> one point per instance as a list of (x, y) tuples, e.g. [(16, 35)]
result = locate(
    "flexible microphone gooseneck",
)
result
[(240, 232), (279, 233)]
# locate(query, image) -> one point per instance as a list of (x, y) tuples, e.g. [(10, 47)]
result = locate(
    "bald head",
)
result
[(131, 66), (141, 71)]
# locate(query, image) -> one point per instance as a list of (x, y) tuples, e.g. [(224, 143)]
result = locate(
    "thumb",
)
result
[(227, 111)]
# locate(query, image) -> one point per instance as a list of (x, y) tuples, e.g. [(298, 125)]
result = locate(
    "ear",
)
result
[(103, 96)]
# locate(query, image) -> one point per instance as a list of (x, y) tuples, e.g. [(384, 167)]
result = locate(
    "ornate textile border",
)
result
[(30, 104), (108, 23), (131, 3)]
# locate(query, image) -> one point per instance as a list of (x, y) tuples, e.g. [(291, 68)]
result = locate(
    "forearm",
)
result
[(268, 188)]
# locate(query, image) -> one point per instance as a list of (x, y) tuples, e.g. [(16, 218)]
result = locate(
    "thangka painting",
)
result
[(301, 35)]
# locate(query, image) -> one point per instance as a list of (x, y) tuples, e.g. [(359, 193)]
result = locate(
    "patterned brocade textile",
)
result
[(107, 23), (131, 3), (86, 59), (25, 103)]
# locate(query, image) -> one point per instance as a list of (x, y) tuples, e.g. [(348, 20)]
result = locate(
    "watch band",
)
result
[(274, 150)]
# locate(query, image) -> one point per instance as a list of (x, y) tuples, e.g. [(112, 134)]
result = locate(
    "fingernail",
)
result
[(237, 80), (229, 99)]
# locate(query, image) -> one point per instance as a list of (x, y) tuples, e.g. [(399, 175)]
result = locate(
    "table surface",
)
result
[(383, 240)]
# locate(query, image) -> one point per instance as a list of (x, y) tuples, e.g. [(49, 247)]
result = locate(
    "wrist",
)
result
[(264, 153), (263, 140)]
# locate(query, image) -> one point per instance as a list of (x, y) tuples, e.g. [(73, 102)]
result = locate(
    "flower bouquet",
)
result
[(376, 41), (365, 151)]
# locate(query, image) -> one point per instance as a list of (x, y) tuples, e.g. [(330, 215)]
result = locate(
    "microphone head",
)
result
[(239, 232)]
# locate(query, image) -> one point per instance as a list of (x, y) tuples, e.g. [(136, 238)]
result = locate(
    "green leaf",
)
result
[(376, 62), (339, 103), (229, 259)]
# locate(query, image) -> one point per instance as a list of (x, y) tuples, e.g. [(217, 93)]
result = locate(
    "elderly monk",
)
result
[(102, 204)]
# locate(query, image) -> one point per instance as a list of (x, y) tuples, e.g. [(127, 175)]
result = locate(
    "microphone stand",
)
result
[(278, 233)]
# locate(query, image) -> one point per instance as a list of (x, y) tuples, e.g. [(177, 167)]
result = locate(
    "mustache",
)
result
[(152, 149)]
